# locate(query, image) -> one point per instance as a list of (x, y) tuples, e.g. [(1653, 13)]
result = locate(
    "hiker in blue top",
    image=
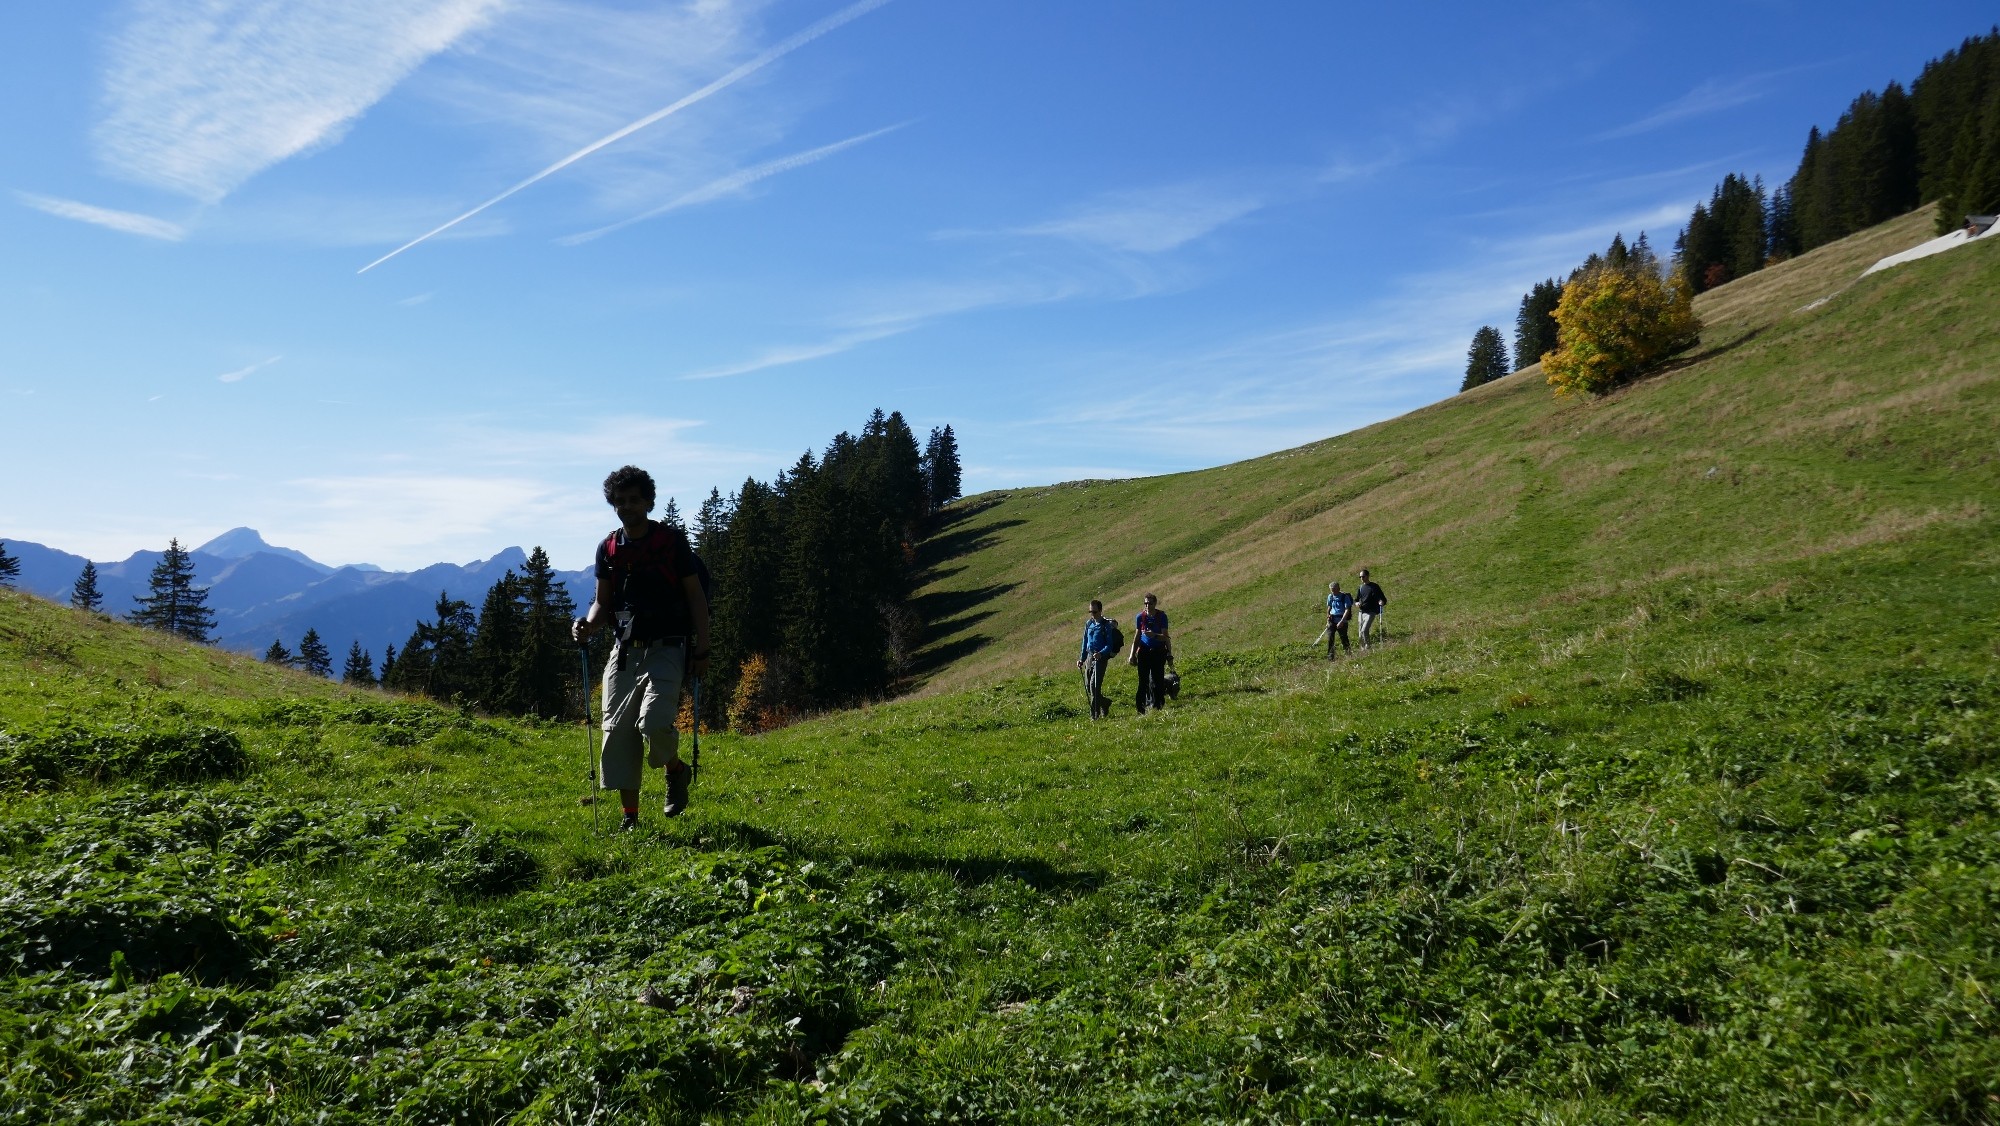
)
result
[(1100, 643), (1151, 650), (1339, 608)]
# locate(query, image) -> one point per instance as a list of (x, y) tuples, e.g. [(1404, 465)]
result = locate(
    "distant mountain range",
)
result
[(262, 593)]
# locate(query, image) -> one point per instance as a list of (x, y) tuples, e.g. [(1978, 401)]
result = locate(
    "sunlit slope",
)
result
[(1790, 431)]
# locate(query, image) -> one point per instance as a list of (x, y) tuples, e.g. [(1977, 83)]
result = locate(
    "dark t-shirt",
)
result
[(645, 576), (1370, 598)]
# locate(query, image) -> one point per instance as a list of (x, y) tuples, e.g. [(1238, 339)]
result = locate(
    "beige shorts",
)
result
[(641, 702)]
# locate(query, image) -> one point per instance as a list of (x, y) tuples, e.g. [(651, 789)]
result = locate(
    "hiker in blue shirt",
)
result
[(1100, 643), (1151, 650), (1339, 608)]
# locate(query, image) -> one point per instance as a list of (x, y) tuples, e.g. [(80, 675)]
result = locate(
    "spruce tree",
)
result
[(314, 657), (10, 567), (85, 595), (941, 468), (388, 664), (1486, 360), (1957, 103), (671, 516), (277, 654), (1535, 324), (544, 670), (496, 647), (174, 604), (360, 667), (711, 523)]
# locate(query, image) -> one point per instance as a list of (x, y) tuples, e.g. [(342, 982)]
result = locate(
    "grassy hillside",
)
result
[(1786, 434), (1676, 801)]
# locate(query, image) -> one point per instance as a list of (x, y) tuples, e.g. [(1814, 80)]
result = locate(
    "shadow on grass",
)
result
[(971, 871), (966, 871), (939, 608), (944, 547), (936, 657)]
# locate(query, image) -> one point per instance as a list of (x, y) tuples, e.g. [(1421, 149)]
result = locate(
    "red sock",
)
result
[(631, 811), (677, 767)]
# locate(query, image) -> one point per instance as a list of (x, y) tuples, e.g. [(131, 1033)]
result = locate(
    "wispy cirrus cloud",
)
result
[(895, 314), (1711, 96), (732, 184), (129, 222), (744, 70), (1150, 220), (201, 97), (242, 373)]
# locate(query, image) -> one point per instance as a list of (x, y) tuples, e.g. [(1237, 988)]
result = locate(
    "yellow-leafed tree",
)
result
[(1616, 322)]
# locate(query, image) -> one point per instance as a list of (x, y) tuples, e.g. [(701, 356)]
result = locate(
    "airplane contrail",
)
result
[(735, 180), (845, 15)]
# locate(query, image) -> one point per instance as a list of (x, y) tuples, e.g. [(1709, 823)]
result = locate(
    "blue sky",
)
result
[(1099, 239)]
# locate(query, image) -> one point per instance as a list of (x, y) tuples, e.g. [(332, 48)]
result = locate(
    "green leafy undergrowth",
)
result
[(186, 956), (177, 753)]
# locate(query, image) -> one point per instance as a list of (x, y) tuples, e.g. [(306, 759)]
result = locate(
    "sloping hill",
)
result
[(1685, 807), (1788, 431)]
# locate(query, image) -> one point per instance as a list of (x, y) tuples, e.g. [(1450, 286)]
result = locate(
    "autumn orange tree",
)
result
[(1614, 322)]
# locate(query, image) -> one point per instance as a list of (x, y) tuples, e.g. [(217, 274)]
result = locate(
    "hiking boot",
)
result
[(677, 790), (628, 823)]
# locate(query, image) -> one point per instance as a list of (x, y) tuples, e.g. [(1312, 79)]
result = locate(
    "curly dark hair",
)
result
[(628, 477)]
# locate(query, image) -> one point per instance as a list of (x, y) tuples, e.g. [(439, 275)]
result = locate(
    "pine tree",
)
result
[(437, 659), (1486, 360), (1957, 103), (314, 656), (360, 667), (388, 664), (10, 567), (671, 516), (711, 524), (496, 647), (1725, 239), (543, 673), (277, 654), (174, 604), (1535, 324), (85, 595), (940, 467)]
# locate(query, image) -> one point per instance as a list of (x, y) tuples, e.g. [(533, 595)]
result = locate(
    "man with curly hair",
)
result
[(648, 590)]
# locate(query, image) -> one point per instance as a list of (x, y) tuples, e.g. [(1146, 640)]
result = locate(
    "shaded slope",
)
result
[(1789, 431)]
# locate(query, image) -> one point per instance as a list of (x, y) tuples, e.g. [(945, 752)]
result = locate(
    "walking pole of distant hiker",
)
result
[(589, 750), (649, 582)]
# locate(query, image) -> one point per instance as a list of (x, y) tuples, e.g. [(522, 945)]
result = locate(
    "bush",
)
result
[(1614, 324)]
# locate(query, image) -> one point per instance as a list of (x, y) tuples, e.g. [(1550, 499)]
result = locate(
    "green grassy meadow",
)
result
[(1674, 798)]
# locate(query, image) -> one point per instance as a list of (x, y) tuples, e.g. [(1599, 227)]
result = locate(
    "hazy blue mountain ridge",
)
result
[(262, 593)]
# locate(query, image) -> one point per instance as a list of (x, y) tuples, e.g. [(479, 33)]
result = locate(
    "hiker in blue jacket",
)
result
[(1339, 609), (1100, 643), (1151, 650)]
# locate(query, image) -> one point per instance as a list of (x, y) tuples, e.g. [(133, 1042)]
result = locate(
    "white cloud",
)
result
[(239, 374), (129, 222), (742, 71), (1712, 96), (1152, 220), (202, 96), (732, 184), (414, 300)]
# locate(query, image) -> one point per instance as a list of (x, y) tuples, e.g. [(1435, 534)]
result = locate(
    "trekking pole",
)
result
[(589, 752), (694, 760)]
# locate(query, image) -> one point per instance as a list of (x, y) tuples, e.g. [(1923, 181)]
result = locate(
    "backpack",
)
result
[(626, 561), (1115, 635)]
